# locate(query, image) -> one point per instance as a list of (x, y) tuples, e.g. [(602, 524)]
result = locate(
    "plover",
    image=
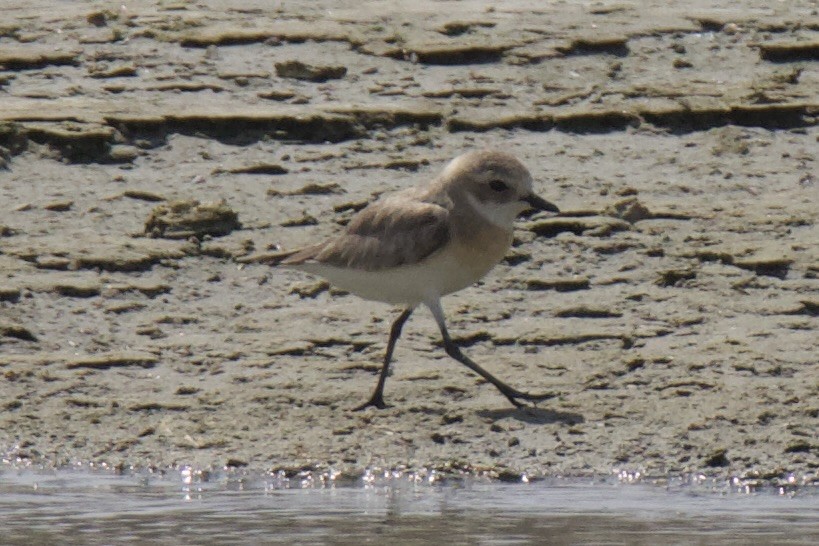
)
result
[(418, 245)]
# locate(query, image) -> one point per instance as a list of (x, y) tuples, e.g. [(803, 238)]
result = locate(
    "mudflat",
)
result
[(156, 157)]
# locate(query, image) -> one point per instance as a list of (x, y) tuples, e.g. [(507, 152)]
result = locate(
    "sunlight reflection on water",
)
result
[(176, 507)]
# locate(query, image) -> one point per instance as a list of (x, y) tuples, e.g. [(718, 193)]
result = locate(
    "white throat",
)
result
[(501, 215)]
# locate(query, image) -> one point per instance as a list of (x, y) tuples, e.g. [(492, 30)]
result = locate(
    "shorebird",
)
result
[(415, 246)]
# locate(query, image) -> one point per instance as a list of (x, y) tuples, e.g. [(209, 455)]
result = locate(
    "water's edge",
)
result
[(96, 507)]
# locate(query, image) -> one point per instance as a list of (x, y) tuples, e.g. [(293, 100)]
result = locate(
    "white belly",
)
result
[(438, 275)]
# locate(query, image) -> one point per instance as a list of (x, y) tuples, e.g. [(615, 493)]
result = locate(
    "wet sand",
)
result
[(672, 307)]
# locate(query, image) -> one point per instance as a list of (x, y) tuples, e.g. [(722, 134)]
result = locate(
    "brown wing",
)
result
[(389, 233)]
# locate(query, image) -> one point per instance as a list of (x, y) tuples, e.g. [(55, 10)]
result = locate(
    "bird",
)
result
[(413, 247)]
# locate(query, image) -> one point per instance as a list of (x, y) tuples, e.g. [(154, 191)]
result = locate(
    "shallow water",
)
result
[(102, 508)]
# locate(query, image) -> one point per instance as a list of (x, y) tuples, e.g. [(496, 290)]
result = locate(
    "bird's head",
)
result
[(495, 184)]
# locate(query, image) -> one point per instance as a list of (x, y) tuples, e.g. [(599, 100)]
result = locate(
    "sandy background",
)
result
[(672, 308)]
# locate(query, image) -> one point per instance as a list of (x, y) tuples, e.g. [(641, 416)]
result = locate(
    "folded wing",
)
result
[(389, 233)]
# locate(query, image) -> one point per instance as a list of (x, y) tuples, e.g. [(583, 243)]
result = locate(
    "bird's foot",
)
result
[(516, 396), (376, 401)]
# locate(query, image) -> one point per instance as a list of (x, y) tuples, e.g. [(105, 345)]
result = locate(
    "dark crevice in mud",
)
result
[(243, 131), (12, 138), (247, 129), (8, 294), (786, 52), (708, 24), (810, 308), (378, 118), (443, 55), (597, 122), (466, 55), (37, 59), (768, 116), (530, 123), (675, 120), (617, 46), (74, 141), (596, 226), (291, 34), (778, 269), (87, 148), (81, 141), (687, 121), (717, 459), (675, 277), (16, 331), (87, 142), (227, 39), (315, 128), (114, 263), (775, 116), (766, 267)]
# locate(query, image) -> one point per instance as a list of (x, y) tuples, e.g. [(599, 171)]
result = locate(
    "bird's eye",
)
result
[(498, 185)]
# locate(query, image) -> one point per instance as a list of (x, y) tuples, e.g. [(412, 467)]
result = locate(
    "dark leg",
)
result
[(455, 352), (377, 399)]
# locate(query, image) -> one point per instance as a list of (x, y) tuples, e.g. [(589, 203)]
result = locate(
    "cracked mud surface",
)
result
[(672, 308)]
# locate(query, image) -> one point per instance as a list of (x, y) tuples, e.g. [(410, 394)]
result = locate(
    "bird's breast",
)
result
[(482, 249)]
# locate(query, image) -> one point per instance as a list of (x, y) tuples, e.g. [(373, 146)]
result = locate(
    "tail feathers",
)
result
[(269, 258), (301, 255), (283, 257)]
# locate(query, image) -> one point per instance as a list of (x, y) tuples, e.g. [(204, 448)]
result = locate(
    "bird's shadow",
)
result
[(534, 415)]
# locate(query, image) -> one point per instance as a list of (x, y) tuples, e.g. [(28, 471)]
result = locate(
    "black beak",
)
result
[(538, 203)]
